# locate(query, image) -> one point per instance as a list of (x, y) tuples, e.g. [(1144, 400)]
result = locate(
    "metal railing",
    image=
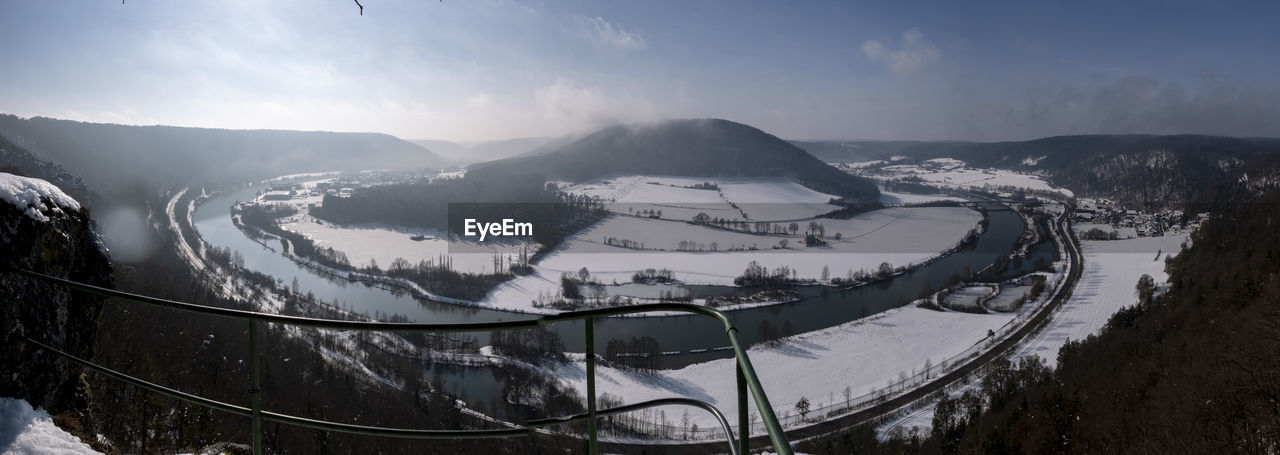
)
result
[(746, 375)]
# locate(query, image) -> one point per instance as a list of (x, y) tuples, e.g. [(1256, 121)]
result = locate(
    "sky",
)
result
[(479, 70)]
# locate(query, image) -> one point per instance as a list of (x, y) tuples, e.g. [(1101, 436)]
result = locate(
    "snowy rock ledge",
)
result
[(24, 430), (34, 197)]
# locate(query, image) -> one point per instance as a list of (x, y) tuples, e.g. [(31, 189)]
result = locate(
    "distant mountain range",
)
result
[(1147, 170), (700, 147), (112, 157)]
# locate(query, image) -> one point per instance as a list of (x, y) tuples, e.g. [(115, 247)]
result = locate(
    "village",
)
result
[(1144, 224)]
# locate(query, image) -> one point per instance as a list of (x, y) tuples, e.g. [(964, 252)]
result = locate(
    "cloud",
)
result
[(1132, 104), (604, 33), (913, 57), (480, 99), (569, 106)]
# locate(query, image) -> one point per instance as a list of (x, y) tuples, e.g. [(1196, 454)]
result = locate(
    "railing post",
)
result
[(767, 416), (744, 424), (591, 386), (255, 390)]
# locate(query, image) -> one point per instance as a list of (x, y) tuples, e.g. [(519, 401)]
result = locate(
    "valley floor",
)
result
[(861, 357), (1111, 272), (898, 236)]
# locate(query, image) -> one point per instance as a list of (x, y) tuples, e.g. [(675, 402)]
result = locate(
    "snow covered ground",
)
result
[(899, 236), (951, 173), (384, 243), (761, 199), (27, 431), (861, 355), (1111, 272), (968, 297), (1008, 296)]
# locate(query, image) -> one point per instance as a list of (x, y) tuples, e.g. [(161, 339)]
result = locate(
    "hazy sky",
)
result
[(489, 69)]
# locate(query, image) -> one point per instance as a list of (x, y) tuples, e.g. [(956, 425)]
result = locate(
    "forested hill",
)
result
[(109, 157), (1153, 171), (701, 147), (17, 161)]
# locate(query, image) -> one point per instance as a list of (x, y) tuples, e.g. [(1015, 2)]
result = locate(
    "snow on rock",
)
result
[(35, 196), (24, 430)]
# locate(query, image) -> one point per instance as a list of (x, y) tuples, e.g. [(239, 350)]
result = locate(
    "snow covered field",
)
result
[(968, 297), (1111, 272), (861, 355), (385, 243), (899, 236), (27, 431), (951, 173), (761, 199)]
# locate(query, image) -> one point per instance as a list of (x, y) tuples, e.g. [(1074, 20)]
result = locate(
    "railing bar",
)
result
[(255, 392), (592, 447), (383, 326), (171, 393), (776, 435), (292, 320), (283, 418), (671, 401), (381, 431), (404, 433), (744, 424)]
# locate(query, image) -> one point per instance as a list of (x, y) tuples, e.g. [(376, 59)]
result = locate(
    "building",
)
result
[(275, 195)]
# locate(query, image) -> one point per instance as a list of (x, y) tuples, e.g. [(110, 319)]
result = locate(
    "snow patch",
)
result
[(34, 196), (1029, 161), (24, 430), (862, 164)]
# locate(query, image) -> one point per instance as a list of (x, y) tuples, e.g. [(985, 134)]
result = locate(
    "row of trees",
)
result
[(761, 227), (758, 275), (529, 344), (641, 353)]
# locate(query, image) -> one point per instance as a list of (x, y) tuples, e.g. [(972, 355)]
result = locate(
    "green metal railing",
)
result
[(746, 375)]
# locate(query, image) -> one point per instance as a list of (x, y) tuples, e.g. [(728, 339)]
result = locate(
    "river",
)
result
[(820, 308)]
